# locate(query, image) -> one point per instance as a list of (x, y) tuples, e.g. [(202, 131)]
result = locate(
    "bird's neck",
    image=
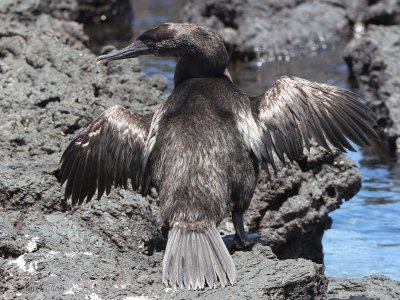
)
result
[(202, 65)]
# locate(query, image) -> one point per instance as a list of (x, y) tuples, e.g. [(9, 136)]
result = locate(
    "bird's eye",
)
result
[(146, 37), (158, 34), (148, 41)]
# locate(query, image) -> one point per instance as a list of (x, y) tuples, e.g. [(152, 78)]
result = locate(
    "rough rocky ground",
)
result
[(83, 11), (96, 15), (367, 288), (378, 12), (272, 30), (374, 61), (50, 88)]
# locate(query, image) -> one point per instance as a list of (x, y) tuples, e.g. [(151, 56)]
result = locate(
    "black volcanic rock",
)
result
[(373, 60), (84, 11), (366, 288), (271, 30), (50, 88), (378, 12)]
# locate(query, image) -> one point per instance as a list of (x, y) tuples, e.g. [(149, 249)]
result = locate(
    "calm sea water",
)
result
[(365, 235)]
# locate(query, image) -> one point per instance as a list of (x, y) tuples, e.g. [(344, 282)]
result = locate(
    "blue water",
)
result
[(365, 234)]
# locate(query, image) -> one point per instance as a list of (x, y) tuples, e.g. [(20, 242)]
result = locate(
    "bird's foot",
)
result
[(243, 243)]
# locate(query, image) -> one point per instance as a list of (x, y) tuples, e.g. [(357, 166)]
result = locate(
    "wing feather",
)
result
[(295, 110), (108, 152)]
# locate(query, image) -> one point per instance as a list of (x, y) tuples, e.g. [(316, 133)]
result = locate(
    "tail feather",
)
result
[(226, 264), (210, 274), (188, 271), (195, 257)]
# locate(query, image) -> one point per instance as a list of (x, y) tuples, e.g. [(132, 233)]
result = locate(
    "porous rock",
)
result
[(50, 89), (378, 12), (83, 11), (271, 30), (366, 288), (373, 60)]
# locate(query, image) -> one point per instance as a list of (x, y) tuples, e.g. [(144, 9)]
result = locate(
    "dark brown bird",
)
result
[(201, 149)]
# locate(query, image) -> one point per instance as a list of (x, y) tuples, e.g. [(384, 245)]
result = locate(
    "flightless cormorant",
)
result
[(201, 149)]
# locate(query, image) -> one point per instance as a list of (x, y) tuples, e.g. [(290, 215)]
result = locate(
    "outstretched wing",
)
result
[(296, 110), (106, 153)]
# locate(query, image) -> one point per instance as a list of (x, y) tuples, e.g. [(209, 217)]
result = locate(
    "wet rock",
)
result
[(378, 12), (95, 11), (271, 30), (373, 60), (372, 287), (29, 9), (95, 14), (83, 11), (50, 89), (106, 22)]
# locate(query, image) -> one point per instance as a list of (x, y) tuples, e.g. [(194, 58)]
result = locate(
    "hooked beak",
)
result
[(135, 49)]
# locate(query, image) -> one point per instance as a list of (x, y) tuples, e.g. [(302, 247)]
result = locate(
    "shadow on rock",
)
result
[(50, 89)]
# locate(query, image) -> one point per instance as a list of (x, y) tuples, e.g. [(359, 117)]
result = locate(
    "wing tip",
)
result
[(329, 114)]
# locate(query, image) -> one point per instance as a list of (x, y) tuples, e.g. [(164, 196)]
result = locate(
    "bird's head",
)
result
[(200, 50), (175, 40)]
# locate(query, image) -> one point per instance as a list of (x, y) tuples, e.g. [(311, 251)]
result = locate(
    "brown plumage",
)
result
[(202, 147), (295, 110), (105, 154)]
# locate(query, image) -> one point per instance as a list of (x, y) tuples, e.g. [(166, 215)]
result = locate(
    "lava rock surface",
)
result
[(50, 88), (366, 288), (272, 30), (373, 60)]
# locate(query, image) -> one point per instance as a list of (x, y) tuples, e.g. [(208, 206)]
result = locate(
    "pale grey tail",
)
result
[(197, 256)]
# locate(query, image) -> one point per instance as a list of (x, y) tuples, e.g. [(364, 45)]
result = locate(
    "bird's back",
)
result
[(198, 148)]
